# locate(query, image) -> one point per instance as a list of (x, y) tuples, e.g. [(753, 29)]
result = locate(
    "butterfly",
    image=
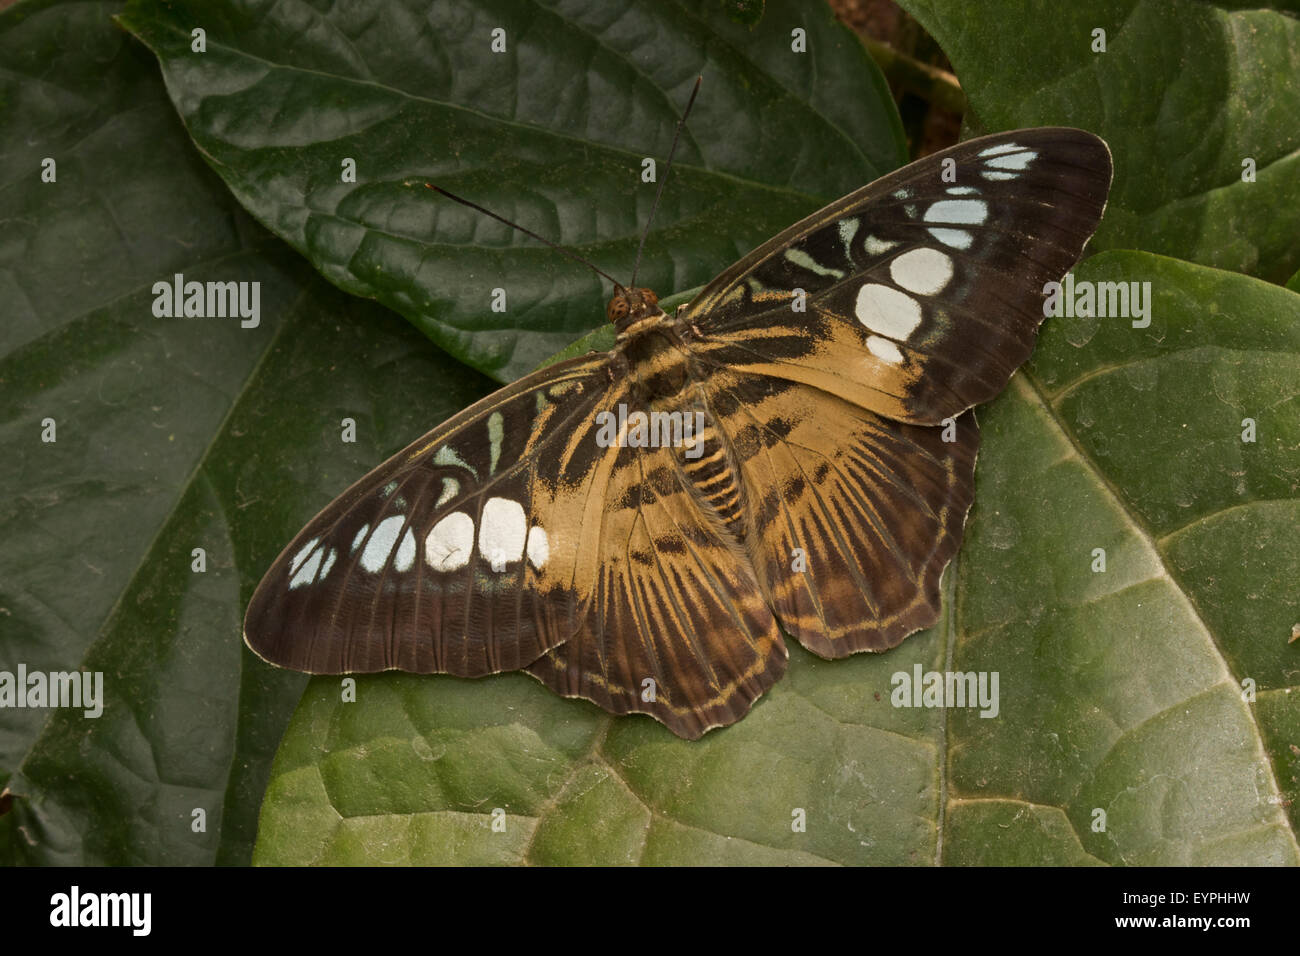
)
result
[(791, 453)]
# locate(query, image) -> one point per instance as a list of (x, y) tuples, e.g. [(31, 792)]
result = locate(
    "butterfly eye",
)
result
[(648, 297), (617, 308)]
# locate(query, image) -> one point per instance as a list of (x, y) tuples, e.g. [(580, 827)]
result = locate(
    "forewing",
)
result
[(457, 555), (921, 293)]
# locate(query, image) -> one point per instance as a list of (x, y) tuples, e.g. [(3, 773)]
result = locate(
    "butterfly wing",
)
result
[(459, 554), (853, 517), (511, 538), (678, 626), (922, 292)]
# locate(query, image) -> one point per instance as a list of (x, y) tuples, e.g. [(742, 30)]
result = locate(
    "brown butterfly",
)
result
[(791, 451)]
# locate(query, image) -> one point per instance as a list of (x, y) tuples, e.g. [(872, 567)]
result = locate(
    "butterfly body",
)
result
[(791, 451)]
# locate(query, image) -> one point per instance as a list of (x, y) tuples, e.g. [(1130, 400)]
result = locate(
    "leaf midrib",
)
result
[(182, 489)]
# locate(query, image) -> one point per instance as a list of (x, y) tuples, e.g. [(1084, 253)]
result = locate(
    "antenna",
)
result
[(573, 255), (526, 232), (664, 181)]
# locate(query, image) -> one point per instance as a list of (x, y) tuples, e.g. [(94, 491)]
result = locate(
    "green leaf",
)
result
[(1185, 93), (748, 12), (171, 434), (551, 133), (1119, 691)]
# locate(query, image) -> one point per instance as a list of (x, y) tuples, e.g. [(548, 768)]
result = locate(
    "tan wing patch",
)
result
[(677, 626), (853, 517)]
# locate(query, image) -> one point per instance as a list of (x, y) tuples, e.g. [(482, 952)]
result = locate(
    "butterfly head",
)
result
[(630, 306)]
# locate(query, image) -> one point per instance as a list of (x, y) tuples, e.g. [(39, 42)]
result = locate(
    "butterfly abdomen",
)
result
[(709, 468)]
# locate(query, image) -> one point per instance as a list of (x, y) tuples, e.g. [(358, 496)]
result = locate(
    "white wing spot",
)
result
[(381, 542), (329, 563), (956, 238), (884, 350), (502, 529), (301, 556), (496, 432), (1016, 161), (1000, 149), (303, 568), (848, 229), (961, 190), (995, 176), (963, 211), (360, 536), (450, 542), (801, 258), (446, 455), (902, 194), (924, 271), (307, 573), (878, 247), (887, 311), (539, 547), (405, 556), (450, 488)]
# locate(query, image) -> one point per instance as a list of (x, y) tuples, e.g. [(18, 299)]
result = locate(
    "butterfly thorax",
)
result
[(632, 307)]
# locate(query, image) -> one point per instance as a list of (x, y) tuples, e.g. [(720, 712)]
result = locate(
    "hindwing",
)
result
[(852, 517), (678, 626)]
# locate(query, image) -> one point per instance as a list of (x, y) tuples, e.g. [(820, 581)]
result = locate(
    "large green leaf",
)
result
[(171, 434), (1185, 92), (1120, 690), (1118, 693), (551, 133)]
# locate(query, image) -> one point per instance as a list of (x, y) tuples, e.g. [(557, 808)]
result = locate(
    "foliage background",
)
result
[(1119, 691)]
